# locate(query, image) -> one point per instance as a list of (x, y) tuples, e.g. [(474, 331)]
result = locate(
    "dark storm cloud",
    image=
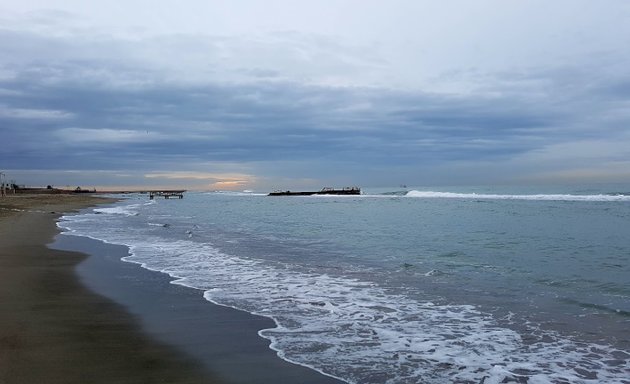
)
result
[(75, 101), (101, 126)]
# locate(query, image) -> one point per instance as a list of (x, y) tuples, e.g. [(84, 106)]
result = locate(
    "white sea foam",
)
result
[(543, 197), (357, 330), (126, 210)]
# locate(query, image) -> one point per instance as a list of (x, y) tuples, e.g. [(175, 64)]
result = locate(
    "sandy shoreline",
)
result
[(73, 312), (52, 329)]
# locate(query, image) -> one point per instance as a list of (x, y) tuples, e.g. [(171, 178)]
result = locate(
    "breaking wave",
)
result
[(540, 197), (357, 330)]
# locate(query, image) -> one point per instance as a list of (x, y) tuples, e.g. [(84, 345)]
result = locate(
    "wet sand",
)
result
[(72, 318), (52, 329)]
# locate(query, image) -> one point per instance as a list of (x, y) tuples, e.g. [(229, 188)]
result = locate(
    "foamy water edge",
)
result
[(192, 271)]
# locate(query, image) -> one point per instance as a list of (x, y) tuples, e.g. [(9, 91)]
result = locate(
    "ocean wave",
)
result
[(538, 197), (358, 331), (361, 333), (235, 193), (119, 210), (599, 307)]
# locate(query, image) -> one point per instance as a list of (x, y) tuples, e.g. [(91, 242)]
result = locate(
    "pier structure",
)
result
[(169, 194)]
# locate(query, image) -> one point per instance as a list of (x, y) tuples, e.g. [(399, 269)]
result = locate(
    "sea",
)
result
[(405, 285)]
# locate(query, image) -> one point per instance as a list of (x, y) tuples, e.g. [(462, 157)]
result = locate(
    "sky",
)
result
[(280, 94)]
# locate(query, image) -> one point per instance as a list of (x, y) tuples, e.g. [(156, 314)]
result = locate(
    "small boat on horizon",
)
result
[(323, 191)]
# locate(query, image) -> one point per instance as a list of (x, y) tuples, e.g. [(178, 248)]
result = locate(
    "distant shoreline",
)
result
[(79, 190)]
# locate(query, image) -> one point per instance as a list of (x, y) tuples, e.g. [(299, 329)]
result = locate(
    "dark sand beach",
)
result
[(72, 318)]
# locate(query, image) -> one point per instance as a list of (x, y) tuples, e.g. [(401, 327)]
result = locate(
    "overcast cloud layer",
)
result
[(285, 94)]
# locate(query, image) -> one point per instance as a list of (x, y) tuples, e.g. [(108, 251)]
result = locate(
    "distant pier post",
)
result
[(3, 191)]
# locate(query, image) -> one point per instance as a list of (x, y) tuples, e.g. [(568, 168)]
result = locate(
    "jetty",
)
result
[(323, 191), (167, 194)]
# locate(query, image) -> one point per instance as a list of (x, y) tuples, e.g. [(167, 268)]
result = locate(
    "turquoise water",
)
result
[(406, 286)]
